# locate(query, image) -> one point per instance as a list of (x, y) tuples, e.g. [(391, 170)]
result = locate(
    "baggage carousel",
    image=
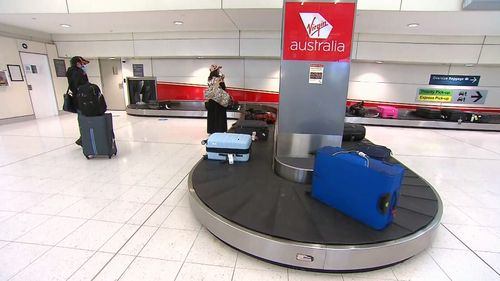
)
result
[(408, 119), (252, 209), (175, 109)]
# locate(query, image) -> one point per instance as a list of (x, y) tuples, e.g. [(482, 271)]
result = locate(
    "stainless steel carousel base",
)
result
[(313, 256), (294, 169), (176, 113)]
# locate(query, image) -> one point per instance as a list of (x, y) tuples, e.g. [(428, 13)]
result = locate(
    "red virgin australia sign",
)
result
[(318, 31)]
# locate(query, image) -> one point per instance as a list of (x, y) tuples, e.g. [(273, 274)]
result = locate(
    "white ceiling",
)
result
[(381, 22)]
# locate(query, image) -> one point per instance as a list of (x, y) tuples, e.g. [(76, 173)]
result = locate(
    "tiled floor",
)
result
[(63, 217)]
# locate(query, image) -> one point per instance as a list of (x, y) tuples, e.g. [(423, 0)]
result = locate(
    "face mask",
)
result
[(84, 68)]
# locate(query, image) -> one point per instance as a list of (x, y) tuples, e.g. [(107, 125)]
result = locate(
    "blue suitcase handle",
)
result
[(359, 153)]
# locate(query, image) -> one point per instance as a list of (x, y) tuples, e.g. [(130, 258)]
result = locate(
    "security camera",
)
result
[(124, 60)]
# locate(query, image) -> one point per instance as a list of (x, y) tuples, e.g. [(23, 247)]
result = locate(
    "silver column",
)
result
[(310, 115)]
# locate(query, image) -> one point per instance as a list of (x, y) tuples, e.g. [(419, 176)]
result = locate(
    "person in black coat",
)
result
[(77, 77), (217, 117)]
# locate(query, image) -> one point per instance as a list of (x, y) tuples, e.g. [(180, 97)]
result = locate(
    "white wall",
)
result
[(483, 50), (14, 99)]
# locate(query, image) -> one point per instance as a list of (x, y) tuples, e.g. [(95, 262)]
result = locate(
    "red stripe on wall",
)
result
[(193, 92), (189, 92)]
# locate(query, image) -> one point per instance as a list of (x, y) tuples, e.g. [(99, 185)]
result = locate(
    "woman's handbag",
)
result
[(69, 103)]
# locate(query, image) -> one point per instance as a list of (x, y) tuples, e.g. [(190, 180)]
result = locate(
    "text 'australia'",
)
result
[(314, 46)]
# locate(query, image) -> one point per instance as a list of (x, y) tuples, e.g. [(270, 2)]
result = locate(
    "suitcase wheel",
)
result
[(86, 156), (203, 142), (109, 156)]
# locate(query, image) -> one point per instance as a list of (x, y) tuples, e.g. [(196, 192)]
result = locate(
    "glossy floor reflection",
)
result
[(63, 217)]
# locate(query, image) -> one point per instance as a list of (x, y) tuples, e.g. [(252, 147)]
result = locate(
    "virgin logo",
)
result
[(315, 25)]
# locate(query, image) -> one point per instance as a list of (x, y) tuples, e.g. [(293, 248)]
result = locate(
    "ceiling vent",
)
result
[(481, 5)]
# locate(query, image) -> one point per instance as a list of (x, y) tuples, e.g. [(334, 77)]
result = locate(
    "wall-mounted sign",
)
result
[(316, 73), (15, 72), (138, 70), (452, 96), (60, 66), (318, 31), (454, 80)]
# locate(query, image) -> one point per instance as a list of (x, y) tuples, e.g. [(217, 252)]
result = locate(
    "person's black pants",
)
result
[(217, 118)]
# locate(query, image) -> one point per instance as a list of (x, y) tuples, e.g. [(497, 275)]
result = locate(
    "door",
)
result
[(41, 89), (112, 83)]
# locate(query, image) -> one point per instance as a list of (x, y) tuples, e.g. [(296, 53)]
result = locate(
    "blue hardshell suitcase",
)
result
[(221, 145), (97, 135), (363, 188)]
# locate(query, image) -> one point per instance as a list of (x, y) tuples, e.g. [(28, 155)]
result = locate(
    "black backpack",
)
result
[(90, 100)]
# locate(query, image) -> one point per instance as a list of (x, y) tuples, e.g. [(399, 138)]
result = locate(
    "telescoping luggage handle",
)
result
[(386, 202)]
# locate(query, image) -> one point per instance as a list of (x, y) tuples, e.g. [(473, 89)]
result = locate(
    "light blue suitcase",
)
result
[(223, 146)]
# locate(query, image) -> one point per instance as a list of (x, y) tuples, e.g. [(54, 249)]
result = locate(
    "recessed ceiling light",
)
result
[(379, 62), (112, 58), (469, 65), (65, 25), (178, 22), (413, 25)]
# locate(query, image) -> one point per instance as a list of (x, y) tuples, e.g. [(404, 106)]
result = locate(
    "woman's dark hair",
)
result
[(213, 74)]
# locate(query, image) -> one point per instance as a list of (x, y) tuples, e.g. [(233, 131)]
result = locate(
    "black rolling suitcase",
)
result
[(353, 132), (250, 127), (428, 113), (455, 115), (97, 134)]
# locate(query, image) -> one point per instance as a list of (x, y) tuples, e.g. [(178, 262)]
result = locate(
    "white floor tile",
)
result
[(421, 267), (115, 268), (484, 216), (141, 216), (109, 191), (159, 197), (53, 205), (56, 264), (119, 239), (19, 225), (492, 259), (248, 262), (138, 241), (159, 216), (152, 269), (175, 197), (181, 218), (169, 244), (462, 265), (118, 211), (91, 267), (298, 275), (91, 235), (455, 215), (193, 272), (85, 208), (23, 202), (51, 231), (445, 239), (220, 253), (476, 237), (16, 256), (4, 215), (241, 274), (139, 194)]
